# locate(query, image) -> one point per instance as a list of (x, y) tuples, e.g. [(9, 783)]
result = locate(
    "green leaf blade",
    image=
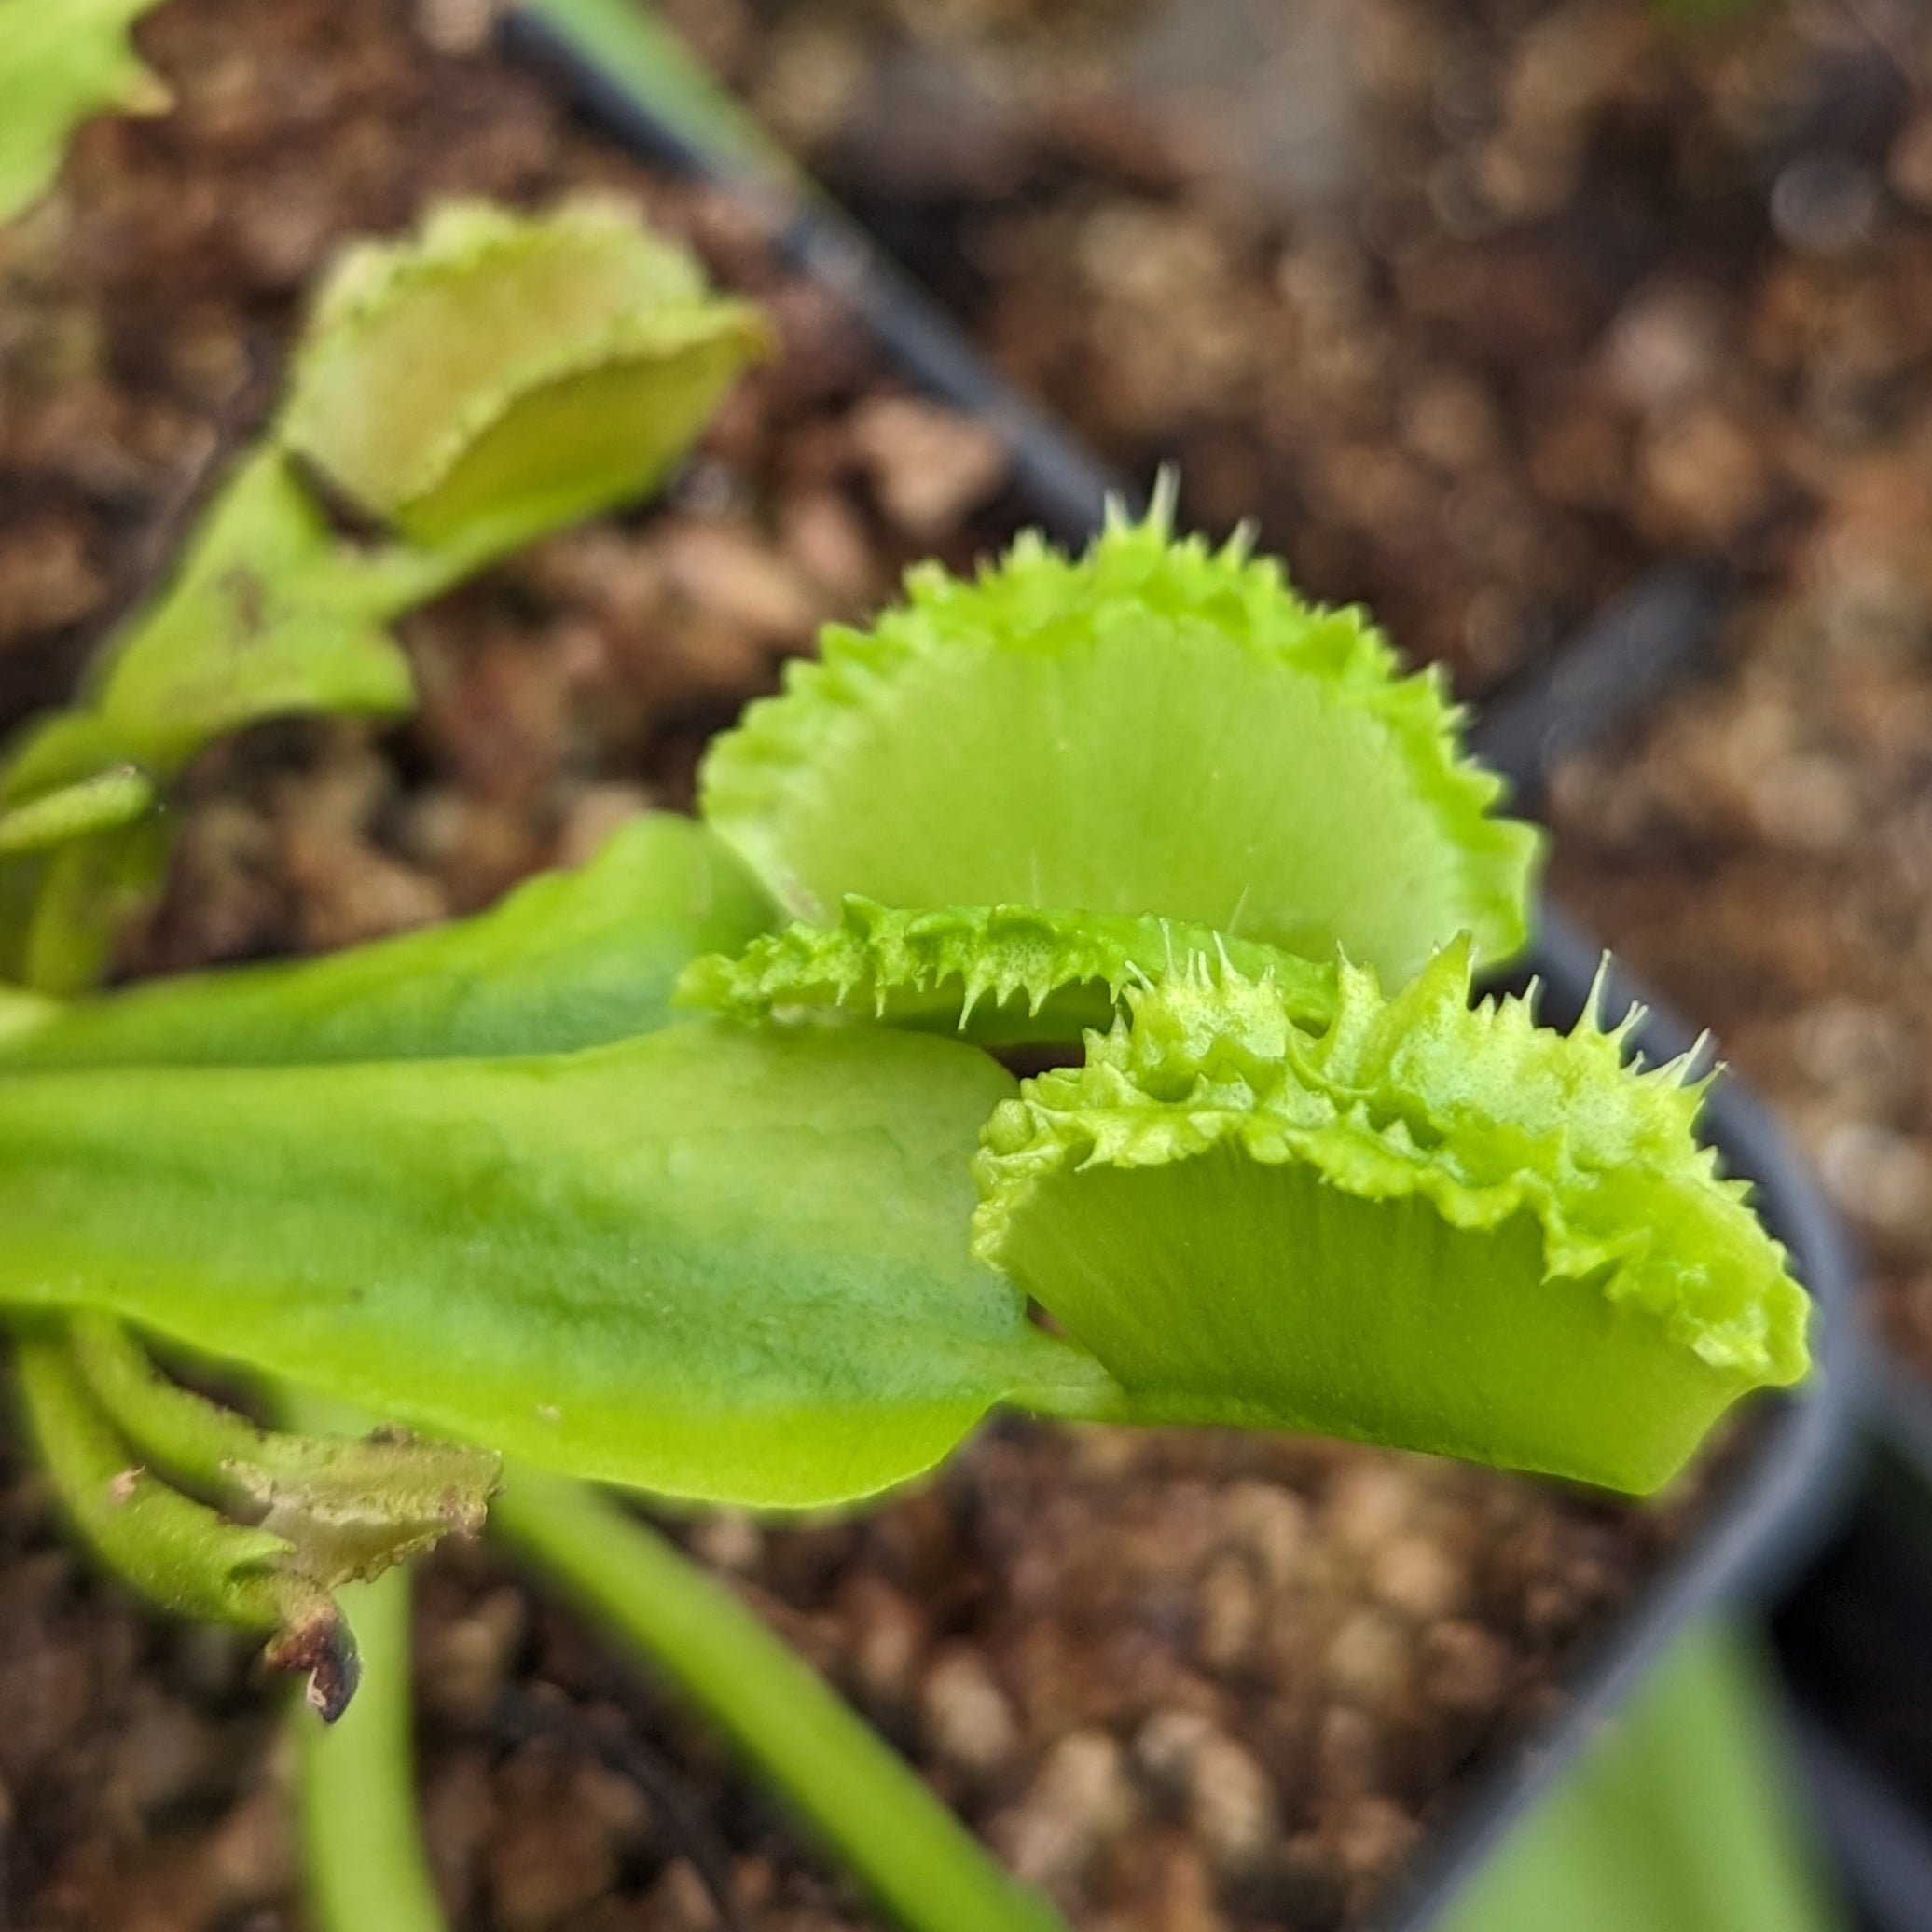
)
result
[(569, 960), (716, 1262), (269, 616)]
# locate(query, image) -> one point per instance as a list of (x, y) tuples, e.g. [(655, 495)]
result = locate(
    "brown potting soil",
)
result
[(1185, 1680), (1476, 306)]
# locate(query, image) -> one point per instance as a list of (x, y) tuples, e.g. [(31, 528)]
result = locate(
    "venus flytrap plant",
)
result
[(661, 884), (575, 360), (1517, 1249), (275, 609), (1147, 805), (1272, 1195)]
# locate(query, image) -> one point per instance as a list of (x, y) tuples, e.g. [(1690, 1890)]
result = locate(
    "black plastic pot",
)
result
[(1850, 1641), (1777, 1500), (1851, 1636)]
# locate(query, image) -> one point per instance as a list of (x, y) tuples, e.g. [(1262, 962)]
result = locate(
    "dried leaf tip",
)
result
[(322, 1645)]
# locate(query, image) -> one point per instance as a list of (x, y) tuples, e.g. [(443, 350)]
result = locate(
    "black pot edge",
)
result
[(1875, 1815), (1879, 1842), (1780, 1504)]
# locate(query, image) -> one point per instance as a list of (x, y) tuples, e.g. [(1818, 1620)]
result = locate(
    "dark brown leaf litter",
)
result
[(1182, 1680)]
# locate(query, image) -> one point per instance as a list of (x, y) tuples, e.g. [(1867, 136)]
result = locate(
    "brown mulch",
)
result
[(1186, 1681)]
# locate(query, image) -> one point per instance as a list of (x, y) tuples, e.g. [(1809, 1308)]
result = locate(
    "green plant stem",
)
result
[(85, 893), (197, 1441), (99, 804), (178, 1553), (865, 1803), (362, 1849)]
